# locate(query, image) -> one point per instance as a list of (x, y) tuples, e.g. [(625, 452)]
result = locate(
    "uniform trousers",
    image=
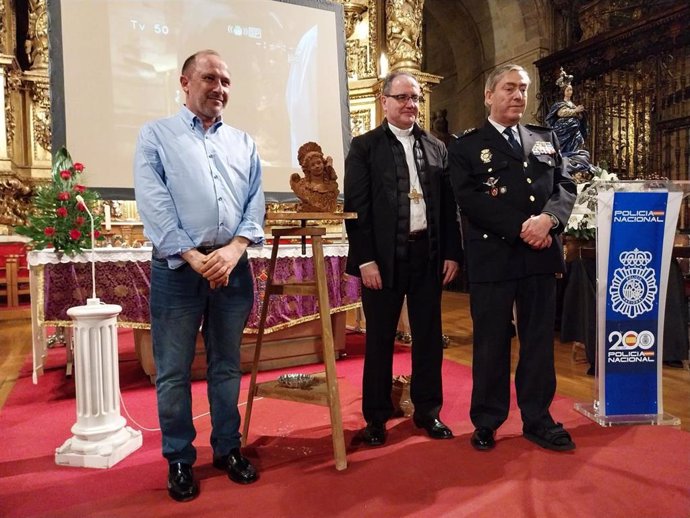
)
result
[(491, 306)]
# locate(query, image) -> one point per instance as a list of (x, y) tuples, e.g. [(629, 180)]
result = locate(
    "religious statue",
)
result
[(439, 126), (569, 123), (404, 33), (567, 119), (318, 190), (36, 43)]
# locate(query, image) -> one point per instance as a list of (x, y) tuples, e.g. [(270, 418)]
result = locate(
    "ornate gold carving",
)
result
[(36, 43), (594, 19), (15, 200), (360, 121), (13, 83), (374, 44), (353, 15), (361, 46), (357, 59), (404, 33), (3, 26), (40, 119)]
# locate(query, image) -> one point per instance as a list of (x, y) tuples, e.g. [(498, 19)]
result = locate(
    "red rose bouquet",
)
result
[(57, 219)]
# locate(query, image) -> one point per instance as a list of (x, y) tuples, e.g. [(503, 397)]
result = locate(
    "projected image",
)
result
[(286, 87)]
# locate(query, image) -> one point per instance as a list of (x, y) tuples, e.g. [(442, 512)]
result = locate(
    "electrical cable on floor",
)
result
[(194, 418)]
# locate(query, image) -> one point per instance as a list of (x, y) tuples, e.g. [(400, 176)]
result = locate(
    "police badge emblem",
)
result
[(492, 188), (485, 156)]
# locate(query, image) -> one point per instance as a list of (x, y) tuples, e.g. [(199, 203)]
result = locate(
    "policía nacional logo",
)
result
[(633, 287)]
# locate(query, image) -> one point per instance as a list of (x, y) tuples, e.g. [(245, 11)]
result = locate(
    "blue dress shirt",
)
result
[(196, 188)]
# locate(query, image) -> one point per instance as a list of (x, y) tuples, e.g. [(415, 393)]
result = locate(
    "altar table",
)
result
[(59, 282)]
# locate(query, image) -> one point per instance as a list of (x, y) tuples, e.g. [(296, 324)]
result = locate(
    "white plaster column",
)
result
[(100, 438)]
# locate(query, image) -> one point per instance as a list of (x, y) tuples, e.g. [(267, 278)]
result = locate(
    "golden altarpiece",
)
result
[(380, 36)]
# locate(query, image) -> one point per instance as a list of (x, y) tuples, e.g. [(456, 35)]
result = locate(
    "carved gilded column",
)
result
[(363, 50), (36, 89), (4, 28), (12, 105), (4, 137), (36, 43), (404, 34)]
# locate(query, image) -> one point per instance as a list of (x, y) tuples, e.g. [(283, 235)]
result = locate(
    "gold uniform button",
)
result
[(490, 169), (525, 164), (485, 236), (531, 198), (529, 180)]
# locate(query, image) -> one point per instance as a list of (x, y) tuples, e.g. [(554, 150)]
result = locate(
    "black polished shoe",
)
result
[(483, 439), (181, 484), (434, 427), (238, 467), (374, 434)]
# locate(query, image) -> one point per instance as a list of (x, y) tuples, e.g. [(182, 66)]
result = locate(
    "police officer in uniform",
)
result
[(516, 198)]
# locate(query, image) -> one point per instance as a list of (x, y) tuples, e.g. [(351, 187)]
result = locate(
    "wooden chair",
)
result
[(10, 287), (22, 284), (4, 282)]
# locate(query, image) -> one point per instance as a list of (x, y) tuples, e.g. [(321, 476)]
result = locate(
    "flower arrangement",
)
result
[(57, 220), (582, 223)]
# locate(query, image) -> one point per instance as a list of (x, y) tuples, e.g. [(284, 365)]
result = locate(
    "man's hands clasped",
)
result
[(535, 231), (217, 266)]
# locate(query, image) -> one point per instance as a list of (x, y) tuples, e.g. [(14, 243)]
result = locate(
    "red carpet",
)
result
[(625, 471)]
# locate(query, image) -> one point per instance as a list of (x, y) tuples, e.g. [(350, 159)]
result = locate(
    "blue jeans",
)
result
[(181, 302)]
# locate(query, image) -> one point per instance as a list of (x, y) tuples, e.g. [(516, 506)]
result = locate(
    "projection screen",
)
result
[(115, 64)]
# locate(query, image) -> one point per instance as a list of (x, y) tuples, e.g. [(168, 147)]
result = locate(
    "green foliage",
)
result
[(57, 220)]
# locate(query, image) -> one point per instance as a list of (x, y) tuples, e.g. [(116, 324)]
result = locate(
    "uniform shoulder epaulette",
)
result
[(538, 127), (468, 131)]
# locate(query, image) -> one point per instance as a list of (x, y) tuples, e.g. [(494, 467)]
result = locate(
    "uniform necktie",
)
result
[(512, 140)]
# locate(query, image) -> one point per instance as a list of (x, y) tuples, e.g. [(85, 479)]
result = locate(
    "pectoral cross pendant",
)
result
[(415, 196)]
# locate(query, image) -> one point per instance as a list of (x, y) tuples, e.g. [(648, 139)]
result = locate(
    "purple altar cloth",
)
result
[(126, 283)]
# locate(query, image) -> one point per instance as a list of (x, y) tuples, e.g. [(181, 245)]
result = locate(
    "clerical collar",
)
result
[(401, 132)]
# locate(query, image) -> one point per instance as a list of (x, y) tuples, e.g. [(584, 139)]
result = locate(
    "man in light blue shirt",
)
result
[(198, 191)]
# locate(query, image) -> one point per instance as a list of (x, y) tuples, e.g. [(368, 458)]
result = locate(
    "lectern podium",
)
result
[(636, 223)]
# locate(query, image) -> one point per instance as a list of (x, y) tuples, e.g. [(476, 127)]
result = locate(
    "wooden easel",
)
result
[(323, 392)]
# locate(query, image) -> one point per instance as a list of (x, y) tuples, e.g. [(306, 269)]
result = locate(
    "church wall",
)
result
[(480, 36)]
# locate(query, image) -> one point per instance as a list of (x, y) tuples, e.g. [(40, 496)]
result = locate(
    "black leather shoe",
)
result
[(374, 434), (434, 427), (238, 467), (483, 439), (181, 484)]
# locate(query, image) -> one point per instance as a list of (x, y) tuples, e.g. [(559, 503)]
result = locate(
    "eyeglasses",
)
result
[(403, 98)]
